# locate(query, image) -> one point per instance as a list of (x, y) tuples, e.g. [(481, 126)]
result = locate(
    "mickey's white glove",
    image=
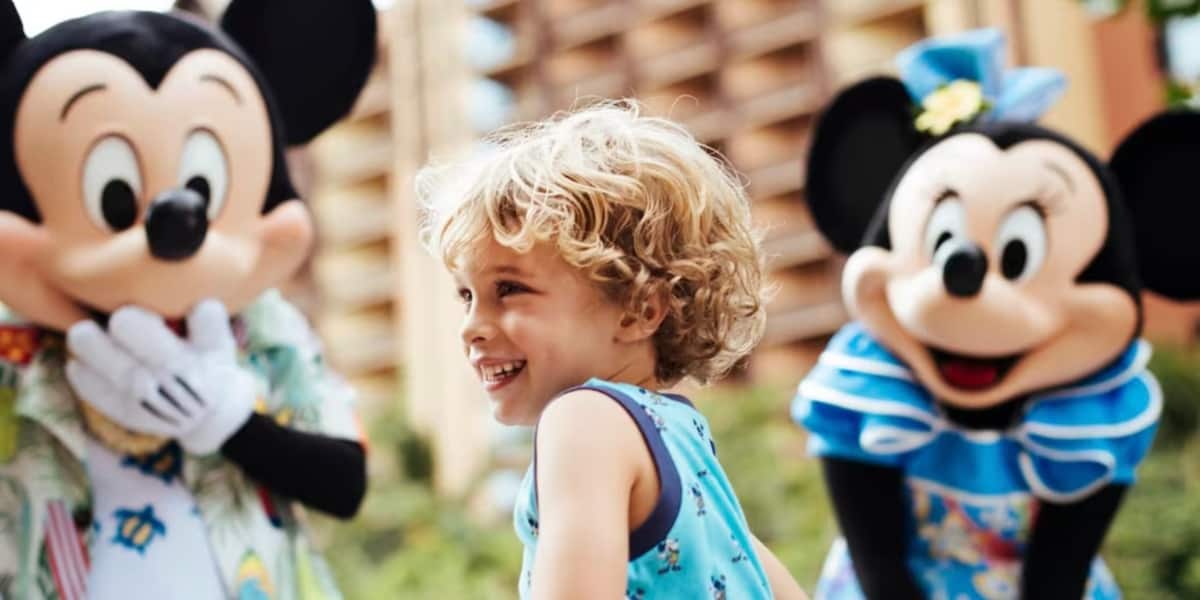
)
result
[(144, 377)]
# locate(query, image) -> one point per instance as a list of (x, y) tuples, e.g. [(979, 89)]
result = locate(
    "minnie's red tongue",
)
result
[(971, 375)]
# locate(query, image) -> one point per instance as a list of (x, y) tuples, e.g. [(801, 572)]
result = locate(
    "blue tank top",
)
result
[(696, 543)]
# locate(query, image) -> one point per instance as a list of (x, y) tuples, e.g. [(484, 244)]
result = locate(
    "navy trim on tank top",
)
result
[(662, 518), (678, 398)]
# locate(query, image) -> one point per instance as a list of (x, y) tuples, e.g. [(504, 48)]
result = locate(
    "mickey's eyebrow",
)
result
[(1061, 173), (96, 87), (223, 83)]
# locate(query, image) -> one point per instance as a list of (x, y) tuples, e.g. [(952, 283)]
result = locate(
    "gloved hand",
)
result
[(145, 378)]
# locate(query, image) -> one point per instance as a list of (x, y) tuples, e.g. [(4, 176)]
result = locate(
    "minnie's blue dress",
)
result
[(973, 495)]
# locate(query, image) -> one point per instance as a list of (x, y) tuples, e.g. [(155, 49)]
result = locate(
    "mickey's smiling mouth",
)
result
[(972, 373)]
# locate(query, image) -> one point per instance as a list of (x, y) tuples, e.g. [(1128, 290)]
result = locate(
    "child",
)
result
[(603, 256)]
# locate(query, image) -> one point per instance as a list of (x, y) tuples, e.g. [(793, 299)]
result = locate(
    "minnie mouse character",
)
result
[(154, 450), (981, 419)]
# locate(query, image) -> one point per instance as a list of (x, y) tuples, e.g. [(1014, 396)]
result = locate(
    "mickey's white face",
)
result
[(979, 293), (148, 196)]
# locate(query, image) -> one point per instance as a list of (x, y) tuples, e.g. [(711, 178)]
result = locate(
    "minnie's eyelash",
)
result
[(938, 189), (945, 193)]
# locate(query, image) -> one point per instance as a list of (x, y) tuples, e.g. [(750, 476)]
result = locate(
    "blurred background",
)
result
[(747, 77)]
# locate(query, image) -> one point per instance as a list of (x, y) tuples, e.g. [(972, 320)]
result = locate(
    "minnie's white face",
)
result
[(979, 293), (148, 196)]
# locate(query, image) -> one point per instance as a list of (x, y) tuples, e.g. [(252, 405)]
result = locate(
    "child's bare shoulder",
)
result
[(588, 429)]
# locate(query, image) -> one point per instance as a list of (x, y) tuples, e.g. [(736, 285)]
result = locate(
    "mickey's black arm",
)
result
[(1065, 540), (870, 505), (325, 473)]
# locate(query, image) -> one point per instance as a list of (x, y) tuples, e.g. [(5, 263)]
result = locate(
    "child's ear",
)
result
[(315, 54), (644, 323), (1156, 167), (860, 143)]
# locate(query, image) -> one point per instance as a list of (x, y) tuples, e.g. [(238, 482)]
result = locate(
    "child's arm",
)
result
[(588, 452), (783, 585)]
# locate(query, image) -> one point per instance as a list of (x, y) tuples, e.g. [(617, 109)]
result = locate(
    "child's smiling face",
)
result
[(535, 326)]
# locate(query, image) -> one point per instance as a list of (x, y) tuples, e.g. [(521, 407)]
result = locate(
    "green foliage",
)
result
[(1179, 94), (407, 543), (1157, 10), (1161, 10), (1154, 545)]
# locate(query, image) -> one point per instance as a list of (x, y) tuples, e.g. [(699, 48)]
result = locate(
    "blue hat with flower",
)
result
[(961, 78)]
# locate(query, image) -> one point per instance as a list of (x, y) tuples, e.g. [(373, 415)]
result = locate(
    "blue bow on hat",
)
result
[(1021, 94)]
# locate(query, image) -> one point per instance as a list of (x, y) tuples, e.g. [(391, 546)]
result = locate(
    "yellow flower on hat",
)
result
[(956, 102)]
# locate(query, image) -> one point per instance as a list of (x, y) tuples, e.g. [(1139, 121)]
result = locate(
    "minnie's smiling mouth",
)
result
[(971, 373)]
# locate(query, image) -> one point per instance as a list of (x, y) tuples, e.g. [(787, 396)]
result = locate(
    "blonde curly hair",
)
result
[(635, 203)]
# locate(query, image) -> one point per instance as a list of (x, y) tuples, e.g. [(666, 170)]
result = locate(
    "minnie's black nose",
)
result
[(176, 224), (964, 271)]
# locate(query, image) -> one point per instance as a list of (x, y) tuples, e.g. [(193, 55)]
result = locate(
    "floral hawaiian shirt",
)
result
[(256, 539)]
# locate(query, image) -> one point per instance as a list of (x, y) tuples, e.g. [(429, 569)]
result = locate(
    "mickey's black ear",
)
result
[(861, 141), (315, 54), (1156, 169), (12, 31)]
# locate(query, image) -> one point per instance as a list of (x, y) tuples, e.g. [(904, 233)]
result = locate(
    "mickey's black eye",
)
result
[(118, 203), (200, 185), (112, 184), (204, 169)]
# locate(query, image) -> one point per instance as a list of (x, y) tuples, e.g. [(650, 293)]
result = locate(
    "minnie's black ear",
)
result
[(315, 54), (860, 144), (12, 31), (1156, 168)]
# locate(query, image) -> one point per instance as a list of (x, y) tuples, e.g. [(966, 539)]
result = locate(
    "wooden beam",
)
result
[(1059, 34), (444, 397)]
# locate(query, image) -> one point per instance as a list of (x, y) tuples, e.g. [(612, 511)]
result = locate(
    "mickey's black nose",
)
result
[(964, 271), (176, 224)]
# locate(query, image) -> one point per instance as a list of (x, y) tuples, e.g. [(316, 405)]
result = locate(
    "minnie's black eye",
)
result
[(118, 204), (1013, 260), (947, 221), (1022, 241), (942, 239)]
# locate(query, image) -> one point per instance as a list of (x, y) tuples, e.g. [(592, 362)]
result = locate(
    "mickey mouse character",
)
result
[(153, 451), (981, 419)]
